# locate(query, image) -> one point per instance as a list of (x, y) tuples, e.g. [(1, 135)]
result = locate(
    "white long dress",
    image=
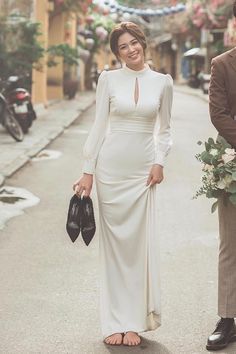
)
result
[(120, 150)]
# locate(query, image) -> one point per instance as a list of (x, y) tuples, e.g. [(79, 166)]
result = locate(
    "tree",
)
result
[(19, 47), (94, 35)]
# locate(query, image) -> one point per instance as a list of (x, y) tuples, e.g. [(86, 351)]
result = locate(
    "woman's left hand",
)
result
[(155, 175)]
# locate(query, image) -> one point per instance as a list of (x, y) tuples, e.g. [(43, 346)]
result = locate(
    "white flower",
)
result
[(210, 178), (230, 151), (229, 155), (213, 152), (221, 184), (208, 168), (224, 182), (227, 158)]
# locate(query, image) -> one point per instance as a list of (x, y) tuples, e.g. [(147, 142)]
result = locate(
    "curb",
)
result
[(39, 145)]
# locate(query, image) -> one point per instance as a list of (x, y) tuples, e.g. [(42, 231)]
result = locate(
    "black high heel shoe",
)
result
[(88, 226), (74, 218)]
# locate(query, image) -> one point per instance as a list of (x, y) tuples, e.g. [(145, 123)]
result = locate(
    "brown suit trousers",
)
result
[(222, 94), (227, 260)]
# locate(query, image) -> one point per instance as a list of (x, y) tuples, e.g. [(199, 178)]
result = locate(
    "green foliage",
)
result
[(100, 21), (214, 206), (69, 54), (76, 6), (219, 167), (232, 198), (19, 47)]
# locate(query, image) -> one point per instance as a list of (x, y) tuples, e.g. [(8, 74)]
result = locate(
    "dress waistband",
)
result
[(132, 124)]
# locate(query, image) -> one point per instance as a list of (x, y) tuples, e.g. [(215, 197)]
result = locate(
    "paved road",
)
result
[(49, 286)]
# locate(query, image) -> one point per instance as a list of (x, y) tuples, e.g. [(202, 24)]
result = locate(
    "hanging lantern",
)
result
[(101, 33), (89, 43), (149, 12), (106, 10), (88, 34), (89, 19), (114, 16), (84, 54), (159, 12), (126, 16)]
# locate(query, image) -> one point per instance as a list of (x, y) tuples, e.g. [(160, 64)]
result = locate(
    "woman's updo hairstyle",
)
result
[(126, 27)]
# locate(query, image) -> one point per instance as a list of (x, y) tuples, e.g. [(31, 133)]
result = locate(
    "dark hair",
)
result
[(126, 27), (234, 9)]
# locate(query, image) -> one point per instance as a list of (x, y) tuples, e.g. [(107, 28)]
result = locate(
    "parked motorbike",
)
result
[(20, 103), (8, 120)]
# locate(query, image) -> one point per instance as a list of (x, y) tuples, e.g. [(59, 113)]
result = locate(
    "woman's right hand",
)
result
[(83, 185)]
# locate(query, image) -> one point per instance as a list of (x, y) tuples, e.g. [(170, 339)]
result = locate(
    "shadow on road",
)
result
[(147, 346)]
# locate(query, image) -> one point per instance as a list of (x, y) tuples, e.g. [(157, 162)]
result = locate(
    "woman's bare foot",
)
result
[(114, 339), (131, 338)]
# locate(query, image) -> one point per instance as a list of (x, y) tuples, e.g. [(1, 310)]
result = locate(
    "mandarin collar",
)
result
[(136, 72)]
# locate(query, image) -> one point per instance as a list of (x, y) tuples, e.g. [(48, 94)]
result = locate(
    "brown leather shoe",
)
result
[(224, 334)]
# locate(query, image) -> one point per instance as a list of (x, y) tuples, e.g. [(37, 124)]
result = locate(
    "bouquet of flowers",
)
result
[(219, 171)]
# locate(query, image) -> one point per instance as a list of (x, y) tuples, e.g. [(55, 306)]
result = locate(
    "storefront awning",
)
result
[(166, 37), (195, 52)]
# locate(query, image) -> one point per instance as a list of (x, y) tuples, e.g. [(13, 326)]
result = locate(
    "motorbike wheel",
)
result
[(25, 126), (12, 126)]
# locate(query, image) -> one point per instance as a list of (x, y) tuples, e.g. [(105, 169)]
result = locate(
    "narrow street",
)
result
[(50, 287)]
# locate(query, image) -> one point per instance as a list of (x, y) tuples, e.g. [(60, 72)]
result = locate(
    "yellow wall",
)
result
[(39, 94), (62, 29), (55, 73), (56, 29)]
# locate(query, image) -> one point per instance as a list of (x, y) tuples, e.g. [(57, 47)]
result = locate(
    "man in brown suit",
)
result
[(222, 94)]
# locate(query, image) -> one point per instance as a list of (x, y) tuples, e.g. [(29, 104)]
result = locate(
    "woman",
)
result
[(121, 152)]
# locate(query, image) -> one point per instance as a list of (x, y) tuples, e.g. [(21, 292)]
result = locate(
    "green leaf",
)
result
[(209, 194), (232, 188), (234, 176), (216, 193), (206, 157), (215, 161), (199, 142), (211, 141), (223, 142), (208, 147), (228, 169), (232, 198), (214, 206)]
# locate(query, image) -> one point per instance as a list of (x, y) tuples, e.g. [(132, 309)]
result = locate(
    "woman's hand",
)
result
[(155, 175), (83, 185)]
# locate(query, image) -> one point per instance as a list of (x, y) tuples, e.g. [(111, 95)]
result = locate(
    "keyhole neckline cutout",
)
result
[(136, 91)]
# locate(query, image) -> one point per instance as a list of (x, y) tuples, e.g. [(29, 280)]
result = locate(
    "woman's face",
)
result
[(131, 51)]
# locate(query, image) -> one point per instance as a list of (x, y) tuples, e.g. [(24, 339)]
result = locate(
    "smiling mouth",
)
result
[(133, 56)]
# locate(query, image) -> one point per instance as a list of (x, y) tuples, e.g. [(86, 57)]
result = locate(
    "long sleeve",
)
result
[(98, 131), (163, 138), (219, 105)]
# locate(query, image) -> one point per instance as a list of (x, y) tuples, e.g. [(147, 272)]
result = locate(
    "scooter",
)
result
[(19, 100), (8, 120)]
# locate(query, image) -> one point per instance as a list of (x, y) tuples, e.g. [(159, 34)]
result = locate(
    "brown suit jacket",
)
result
[(222, 95)]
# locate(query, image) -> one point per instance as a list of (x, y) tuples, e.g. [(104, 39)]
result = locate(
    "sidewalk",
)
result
[(48, 126)]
